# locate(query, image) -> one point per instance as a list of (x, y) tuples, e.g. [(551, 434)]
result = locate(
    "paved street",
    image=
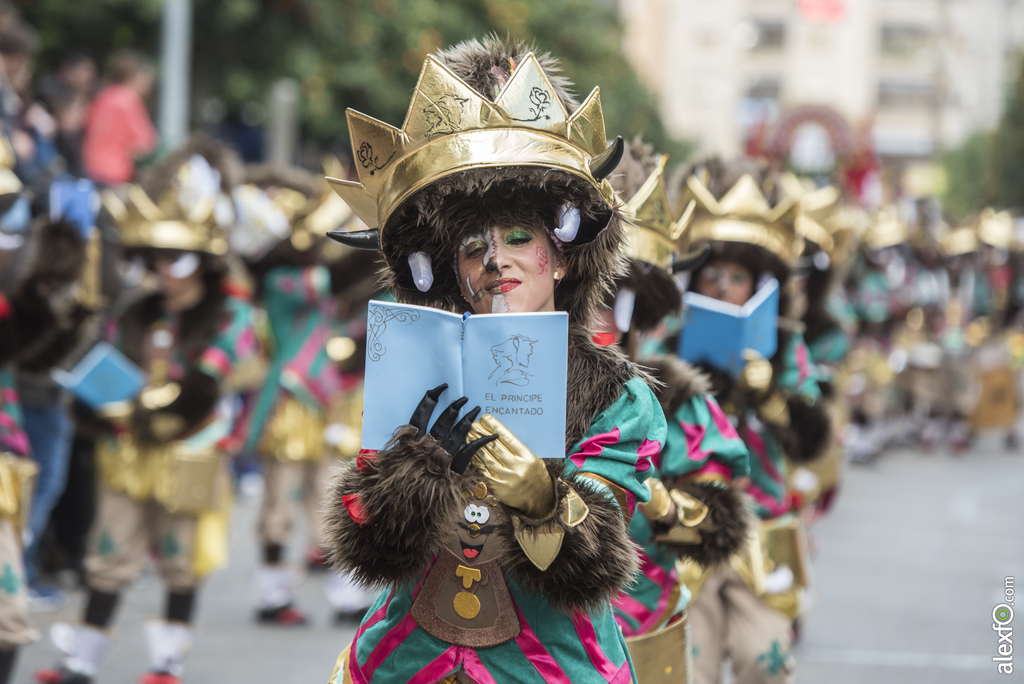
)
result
[(909, 566)]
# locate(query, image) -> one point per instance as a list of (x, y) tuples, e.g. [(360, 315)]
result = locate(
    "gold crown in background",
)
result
[(958, 241), (651, 233), (166, 224), (744, 215), (450, 128), (816, 207), (888, 229), (995, 228), (834, 225)]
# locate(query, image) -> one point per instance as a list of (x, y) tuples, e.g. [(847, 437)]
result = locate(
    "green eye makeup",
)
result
[(518, 236)]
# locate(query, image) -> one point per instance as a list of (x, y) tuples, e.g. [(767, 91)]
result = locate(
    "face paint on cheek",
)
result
[(475, 295), (490, 246), (543, 259), (499, 304)]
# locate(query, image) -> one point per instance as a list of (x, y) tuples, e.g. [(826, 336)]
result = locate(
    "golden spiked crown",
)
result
[(190, 214), (888, 229), (958, 241), (651, 233), (825, 219), (743, 214), (450, 128), (166, 224), (995, 228)]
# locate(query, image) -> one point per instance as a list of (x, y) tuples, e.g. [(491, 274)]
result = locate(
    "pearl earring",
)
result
[(556, 275)]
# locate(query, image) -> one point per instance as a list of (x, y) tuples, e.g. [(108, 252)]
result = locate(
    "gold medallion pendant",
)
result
[(467, 606)]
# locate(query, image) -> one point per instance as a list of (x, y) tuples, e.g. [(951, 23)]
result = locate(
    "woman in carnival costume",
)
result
[(25, 316), (743, 611), (694, 515), (492, 198), (162, 466), (283, 216)]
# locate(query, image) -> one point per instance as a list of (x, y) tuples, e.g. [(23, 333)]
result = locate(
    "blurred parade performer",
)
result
[(22, 319), (694, 514), (1000, 342), (876, 291), (493, 199), (830, 231), (743, 611), (283, 216), (66, 241), (164, 485)]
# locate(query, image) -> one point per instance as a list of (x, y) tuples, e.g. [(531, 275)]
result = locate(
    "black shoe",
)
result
[(285, 616), (345, 617)]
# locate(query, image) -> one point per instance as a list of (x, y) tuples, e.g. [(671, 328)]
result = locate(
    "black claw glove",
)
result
[(450, 434)]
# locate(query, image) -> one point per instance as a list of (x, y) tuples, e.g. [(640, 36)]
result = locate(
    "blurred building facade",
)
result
[(918, 75)]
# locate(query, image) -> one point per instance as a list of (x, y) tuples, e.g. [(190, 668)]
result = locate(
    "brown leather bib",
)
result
[(467, 605)]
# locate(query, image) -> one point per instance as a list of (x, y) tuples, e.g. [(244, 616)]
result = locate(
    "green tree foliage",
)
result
[(363, 54), (1005, 177), (967, 173)]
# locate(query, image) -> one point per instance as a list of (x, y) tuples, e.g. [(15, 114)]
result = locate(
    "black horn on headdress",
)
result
[(605, 163), (360, 239), (691, 260)]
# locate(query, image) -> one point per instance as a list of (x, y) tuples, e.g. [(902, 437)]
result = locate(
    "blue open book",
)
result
[(716, 332), (103, 376), (513, 366)]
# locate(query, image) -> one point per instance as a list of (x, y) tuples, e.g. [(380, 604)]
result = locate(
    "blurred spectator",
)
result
[(29, 126), (69, 108), (76, 71), (118, 128)]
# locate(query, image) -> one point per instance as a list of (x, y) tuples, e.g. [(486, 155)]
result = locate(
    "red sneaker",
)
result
[(60, 675), (159, 678), (285, 616)]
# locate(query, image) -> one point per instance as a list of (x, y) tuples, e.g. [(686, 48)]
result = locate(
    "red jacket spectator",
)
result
[(118, 128)]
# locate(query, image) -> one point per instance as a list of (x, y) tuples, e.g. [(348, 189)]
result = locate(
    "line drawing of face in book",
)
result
[(377, 320), (510, 358)]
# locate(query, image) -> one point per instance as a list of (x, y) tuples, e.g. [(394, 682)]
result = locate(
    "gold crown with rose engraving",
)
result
[(743, 214), (450, 128)]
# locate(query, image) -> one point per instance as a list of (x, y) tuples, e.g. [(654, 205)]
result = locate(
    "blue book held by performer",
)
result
[(513, 366), (103, 376), (717, 332)]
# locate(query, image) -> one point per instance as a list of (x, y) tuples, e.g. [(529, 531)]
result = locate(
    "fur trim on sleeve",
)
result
[(680, 382), (408, 501), (597, 559), (724, 531), (813, 430)]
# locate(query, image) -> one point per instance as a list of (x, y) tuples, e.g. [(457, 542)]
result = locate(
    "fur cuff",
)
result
[(724, 531), (596, 561), (813, 430), (407, 500), (680, 382)]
